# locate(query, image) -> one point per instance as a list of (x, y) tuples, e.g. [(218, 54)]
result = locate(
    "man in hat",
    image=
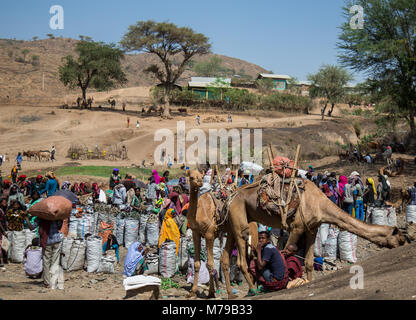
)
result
[(115, 178)]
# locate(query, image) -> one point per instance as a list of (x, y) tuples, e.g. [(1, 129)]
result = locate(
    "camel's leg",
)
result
[(294, 236), (209, 241), (310, 243), (225, 263), (197, 265), (242, 263)]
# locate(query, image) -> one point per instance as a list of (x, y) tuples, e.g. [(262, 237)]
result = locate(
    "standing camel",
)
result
[(202, 221), (314, 209)]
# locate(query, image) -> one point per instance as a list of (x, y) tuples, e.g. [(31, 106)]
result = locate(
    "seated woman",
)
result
[(111, 244), (135, 258), (33, 260), (269, 267)]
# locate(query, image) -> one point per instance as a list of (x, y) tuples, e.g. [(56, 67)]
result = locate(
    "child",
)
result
[(33, 260)]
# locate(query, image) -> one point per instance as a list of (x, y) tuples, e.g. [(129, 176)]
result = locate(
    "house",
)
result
[(201, 85), (279, 80), (303, 86)]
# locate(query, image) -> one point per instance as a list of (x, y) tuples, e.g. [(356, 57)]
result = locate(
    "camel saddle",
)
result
[(274, 191), (218, 198)]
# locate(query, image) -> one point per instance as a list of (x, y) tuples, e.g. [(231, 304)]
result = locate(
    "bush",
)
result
[(35, 61), (285, 102), (20, 59), (357, 112)]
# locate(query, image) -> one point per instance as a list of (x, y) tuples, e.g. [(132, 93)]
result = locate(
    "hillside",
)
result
[(22, 82)]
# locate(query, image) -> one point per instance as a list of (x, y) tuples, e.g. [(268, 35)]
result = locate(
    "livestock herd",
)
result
[(40, 155)]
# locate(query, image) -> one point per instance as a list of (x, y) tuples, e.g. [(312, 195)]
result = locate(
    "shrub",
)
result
[(357, 112), (285, 102)]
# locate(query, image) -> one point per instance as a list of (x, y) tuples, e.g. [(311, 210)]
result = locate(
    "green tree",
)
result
[(265, 86), (25, 52), (35, 38), (98, 65), (212, 67), (329, 83), (50, 36), (35, 60), (169, 43), (385, 49)]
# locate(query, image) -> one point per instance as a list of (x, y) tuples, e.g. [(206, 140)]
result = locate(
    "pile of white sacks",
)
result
[(86, 253), (332, 243)]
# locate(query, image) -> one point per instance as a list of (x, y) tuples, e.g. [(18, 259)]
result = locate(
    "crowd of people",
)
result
[(350, 193), (272, 266)]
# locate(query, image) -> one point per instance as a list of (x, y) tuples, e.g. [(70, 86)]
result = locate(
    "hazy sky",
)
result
[(293, 37)]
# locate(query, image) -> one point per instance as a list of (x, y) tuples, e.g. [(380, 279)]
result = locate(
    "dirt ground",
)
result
[(389, 274)]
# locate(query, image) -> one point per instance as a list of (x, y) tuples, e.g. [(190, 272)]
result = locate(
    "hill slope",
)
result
[(23, 81)]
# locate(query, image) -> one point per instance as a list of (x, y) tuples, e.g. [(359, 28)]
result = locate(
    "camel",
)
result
[(314, 209), (201, 219)]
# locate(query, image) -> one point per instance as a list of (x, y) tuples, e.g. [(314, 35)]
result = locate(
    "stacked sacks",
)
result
[(411, 221), (152, 261), (85, 225), (378, 216), (152, 230), (76, 257), (331, 244), (167, 259), (17, 240), (347, 246), (120, 224), (94, 253), (107, 264), (131, 231), (320, 240)]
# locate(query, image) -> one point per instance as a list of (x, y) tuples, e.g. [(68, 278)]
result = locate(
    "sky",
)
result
[(293, 37)]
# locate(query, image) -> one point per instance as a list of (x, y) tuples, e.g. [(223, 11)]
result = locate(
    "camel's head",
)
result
[(396, 239), (195, 179)]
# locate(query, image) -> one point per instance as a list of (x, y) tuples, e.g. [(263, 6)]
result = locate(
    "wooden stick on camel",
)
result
[(292, 178), (218, 176)]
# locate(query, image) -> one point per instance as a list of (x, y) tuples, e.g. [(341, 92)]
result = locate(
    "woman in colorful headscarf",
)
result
[(156, 175), (135, 258), (66, 185), (169, 230), (370, 193), (329, 193)]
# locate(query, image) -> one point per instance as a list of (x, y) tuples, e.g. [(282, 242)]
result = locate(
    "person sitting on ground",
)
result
[(135, 259), (294, 265), (32, 260), (51, 186), (50, 241), (119, 195), (270, 264), (111, 244), (115, 178), (15, 194), (66, 185)]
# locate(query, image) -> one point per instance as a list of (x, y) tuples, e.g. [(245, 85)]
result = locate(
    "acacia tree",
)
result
[(329, 83), (98, 65), (385, 49), (174, 46)]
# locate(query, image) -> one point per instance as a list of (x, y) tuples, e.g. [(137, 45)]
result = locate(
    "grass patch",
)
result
[(104, 171), (29, 119)]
